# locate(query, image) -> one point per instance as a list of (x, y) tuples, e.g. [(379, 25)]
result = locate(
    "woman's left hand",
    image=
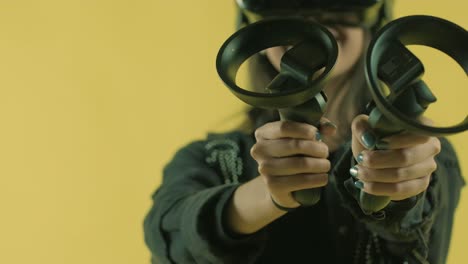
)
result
[(400, 168)]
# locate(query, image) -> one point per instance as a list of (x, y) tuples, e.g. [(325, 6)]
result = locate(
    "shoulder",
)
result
[(235, 141), (448, 174), (448, 157), (226, 154), (229, 154)]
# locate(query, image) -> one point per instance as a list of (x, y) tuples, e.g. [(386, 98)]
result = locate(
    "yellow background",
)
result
[(95, 97)]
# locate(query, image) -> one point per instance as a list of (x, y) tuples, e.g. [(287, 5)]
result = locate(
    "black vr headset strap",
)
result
[(386, 14)]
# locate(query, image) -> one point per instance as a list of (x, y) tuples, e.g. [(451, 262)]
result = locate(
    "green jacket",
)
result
[(185, 223)]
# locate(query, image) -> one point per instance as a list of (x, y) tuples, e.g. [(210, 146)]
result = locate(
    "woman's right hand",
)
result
[(291, 157)]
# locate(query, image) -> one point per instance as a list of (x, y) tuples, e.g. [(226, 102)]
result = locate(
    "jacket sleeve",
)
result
[(418, 229), (451, 183), (185, 223)]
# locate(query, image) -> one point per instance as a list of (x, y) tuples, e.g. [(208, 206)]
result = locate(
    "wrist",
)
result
[(282, 208), (250, 208)]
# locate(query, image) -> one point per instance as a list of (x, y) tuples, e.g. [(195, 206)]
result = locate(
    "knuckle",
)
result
[(355, 122), (263, 168), (400, 174), (258, 133), (322, 150), (254, 151), (396, 188), (427, 182), (284, 127), (371, 188), (315, 180), (364, 174), (311, 132), (259, 150), (368, 176), (296, 144), (438, 146), (269, 181), (326, 164), (354, 125), (302, 162), (424, 139), (312, 164), (405, 156), (433, 166), (323, 180), (371, 158)]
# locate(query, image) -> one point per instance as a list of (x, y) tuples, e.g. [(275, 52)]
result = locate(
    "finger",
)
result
[(362, 135), (400, 140), (426, 121), (286, 129), (398, 190), (409, 156), (403, 140), (327, 128), (358, 126), (394, 175), (290, 183), (288, 147), (397, 158), (293, 165)]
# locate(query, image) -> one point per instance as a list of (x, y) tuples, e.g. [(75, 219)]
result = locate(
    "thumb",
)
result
[(327, 127)]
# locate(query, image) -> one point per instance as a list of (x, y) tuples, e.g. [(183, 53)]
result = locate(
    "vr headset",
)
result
[(361, 13)]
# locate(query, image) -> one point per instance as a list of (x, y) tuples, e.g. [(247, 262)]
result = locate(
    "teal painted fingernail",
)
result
[(318, 136), (368, 139), (354, 171), (359, 184), (359, 158), (382, 145)]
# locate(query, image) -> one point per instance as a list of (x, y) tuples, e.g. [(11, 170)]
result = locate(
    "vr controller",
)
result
[(299, 97)]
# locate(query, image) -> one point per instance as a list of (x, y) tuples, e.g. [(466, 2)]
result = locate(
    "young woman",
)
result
[(228, 199)]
